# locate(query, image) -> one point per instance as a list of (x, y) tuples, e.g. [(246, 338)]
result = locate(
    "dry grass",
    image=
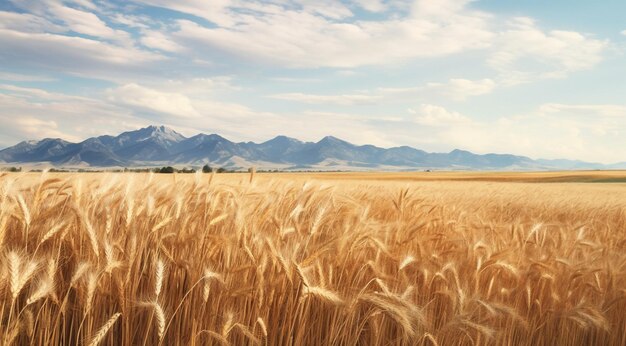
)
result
[(309, 260)]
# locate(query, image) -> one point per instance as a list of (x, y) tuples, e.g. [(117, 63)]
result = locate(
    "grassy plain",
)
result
[(313, 259)]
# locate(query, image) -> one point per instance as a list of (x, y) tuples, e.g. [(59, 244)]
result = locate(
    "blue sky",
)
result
[(538, 78)]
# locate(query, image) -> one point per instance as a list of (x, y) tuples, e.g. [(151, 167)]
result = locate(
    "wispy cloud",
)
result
[(70, 54), (525, 53), (18, 77), (328, 34), (456, 89), (343, 100)]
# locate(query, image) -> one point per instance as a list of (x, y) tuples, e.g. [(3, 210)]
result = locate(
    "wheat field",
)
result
[(237, 259)]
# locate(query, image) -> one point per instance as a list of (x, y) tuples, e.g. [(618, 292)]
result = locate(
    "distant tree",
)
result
[(15, 169), (221, 170), (187, 170), (207, 169), (168, 169)]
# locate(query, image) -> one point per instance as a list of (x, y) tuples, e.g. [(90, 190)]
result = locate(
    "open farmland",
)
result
[(313, 259)]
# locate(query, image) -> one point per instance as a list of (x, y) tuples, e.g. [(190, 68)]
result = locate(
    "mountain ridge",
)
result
[(160, 145)]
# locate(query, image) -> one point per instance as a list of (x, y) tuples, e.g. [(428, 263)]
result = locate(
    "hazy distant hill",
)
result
[(158, 145)]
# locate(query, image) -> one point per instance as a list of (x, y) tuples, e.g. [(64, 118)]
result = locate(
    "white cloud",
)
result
[(307, 37), (132, 106), (431, 115), (583, 110), (37, 128), (551, 131), (439, 8), (459, 89), (183, 104), (402, 92), (624, 32), (149, 100), (212, 11), (31, 92), (456, 89), (330, 9), (73, 37), (296, 80), (354, 128), (343, 100), (18, 77), (525, 53), (82, 22), (30, 113), (192, 103), (200, 87), (346, 73), (158, 40), (568, 131), (27, 22), (87, 4), (304, 34), (131, 20), (73, 20), (76, 55)]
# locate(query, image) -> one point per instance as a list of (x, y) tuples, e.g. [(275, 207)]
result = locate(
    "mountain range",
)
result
[(160, 145)]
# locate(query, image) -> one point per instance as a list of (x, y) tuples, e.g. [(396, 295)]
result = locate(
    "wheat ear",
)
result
[(323, 294), (102, 332), (19, 274), (160, 318), (160, 269)]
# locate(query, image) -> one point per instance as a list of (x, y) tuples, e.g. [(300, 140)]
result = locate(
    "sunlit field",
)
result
[(313, 259)]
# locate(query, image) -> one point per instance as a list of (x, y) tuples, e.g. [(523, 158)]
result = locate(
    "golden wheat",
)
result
[(292, 260), (97, 338)]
